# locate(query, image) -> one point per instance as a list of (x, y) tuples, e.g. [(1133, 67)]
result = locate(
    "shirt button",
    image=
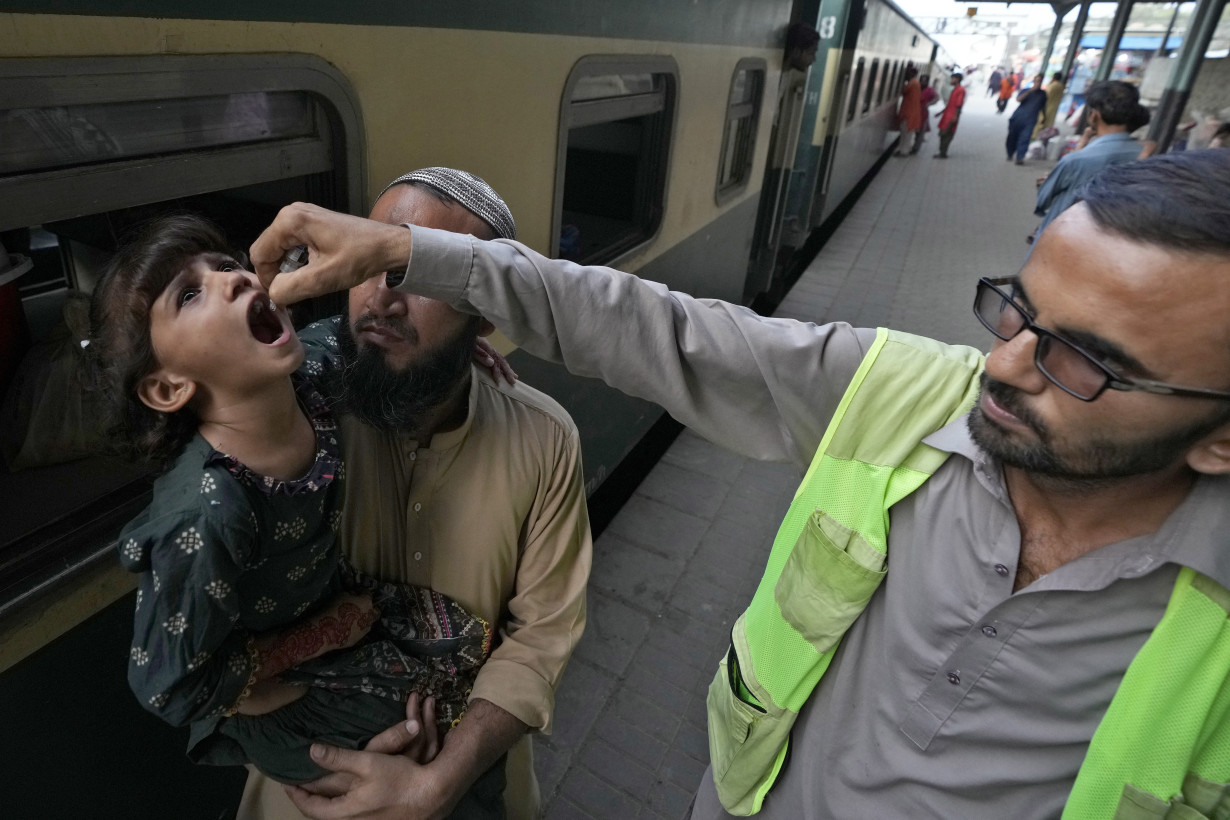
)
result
[(1002, 570), (413, 456), (418, 507), (989, 631), (954, 678), (418, 556)]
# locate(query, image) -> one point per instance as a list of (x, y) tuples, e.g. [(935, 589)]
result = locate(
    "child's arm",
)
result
[(337, 626)]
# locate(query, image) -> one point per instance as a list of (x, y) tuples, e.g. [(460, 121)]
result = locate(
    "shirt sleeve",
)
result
[(1056, 183), (546, 614), (189, 659), (763, 387)]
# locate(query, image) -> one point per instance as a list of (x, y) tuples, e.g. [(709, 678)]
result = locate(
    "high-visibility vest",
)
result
[(1162, 750)]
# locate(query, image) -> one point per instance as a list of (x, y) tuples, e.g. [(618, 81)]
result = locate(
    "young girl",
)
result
[(248, 625)]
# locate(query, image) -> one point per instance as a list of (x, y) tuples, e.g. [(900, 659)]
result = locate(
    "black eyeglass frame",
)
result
[(1113, 380)]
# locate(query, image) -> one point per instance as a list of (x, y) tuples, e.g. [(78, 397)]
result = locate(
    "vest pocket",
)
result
[(1200, 800), (827, 581), (747, 741)]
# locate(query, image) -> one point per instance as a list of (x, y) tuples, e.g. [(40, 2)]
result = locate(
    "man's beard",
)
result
[(400, 401), (1092, 461)]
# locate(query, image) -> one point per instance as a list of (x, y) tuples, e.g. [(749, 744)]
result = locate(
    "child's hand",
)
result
[(355, 615), (487, 356)]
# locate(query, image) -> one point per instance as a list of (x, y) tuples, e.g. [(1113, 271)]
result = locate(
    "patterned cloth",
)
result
[(424, 642)]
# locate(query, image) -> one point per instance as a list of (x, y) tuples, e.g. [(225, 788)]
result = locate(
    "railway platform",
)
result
[(682, 558)]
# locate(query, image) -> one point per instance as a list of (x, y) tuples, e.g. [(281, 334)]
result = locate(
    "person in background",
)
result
[(926, 99), (1021, 124), (1005, 94), (951, 115), (1054, 93), (463, 485), (993, 83), (1114, 112), (801, 43), (909, 112)]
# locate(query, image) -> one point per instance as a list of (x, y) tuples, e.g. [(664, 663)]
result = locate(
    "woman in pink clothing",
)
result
[(926, 99), (909, 112)]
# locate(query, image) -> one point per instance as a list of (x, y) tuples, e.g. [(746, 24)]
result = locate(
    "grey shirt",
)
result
[(951, 696)]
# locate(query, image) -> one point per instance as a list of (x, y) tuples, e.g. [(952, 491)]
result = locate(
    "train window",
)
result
[(115, 131), (883, 82), (739, 133), (616, 118), (855, 84), (89, 147), (871, 85)]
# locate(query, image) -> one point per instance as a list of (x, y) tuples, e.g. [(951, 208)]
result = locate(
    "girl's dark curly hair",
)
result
[(121, 347)]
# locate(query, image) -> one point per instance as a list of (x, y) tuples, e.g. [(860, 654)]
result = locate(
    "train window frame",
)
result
[(745, 142), (856, 84), (66, 544), (884, 74), (656, 110), (870, 92)]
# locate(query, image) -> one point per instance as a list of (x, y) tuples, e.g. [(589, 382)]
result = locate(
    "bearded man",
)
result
[(465, 485)]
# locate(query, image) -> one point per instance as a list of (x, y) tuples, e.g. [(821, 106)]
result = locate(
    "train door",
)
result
[(783, 146), (88, 148), (837, 22), (834, 110)]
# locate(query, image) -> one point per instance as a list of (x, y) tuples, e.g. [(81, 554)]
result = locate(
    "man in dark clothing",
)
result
[(1021, 125), (993, 83)]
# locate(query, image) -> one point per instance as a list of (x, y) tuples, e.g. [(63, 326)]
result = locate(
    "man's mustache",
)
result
[(392, 325), (1009, 398)]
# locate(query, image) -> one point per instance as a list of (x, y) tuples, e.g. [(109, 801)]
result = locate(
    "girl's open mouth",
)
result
[(263, 322)]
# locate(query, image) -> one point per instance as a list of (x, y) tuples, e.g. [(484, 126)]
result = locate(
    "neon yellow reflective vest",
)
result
[(1161, 751)]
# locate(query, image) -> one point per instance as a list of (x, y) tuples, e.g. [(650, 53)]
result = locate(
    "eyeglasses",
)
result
[(1071, 369)]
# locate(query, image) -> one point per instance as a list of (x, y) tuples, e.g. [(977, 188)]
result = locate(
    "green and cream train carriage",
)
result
[(632, 134)]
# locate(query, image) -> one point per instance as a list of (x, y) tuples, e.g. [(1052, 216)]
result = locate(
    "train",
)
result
[(649, 135)]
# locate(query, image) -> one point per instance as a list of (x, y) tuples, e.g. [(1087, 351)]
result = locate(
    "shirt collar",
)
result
[(1193, 536), (954, 438), (1108, 139), (452, 438)]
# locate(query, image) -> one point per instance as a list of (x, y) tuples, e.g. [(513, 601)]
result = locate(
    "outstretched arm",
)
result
[(763, 387)]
